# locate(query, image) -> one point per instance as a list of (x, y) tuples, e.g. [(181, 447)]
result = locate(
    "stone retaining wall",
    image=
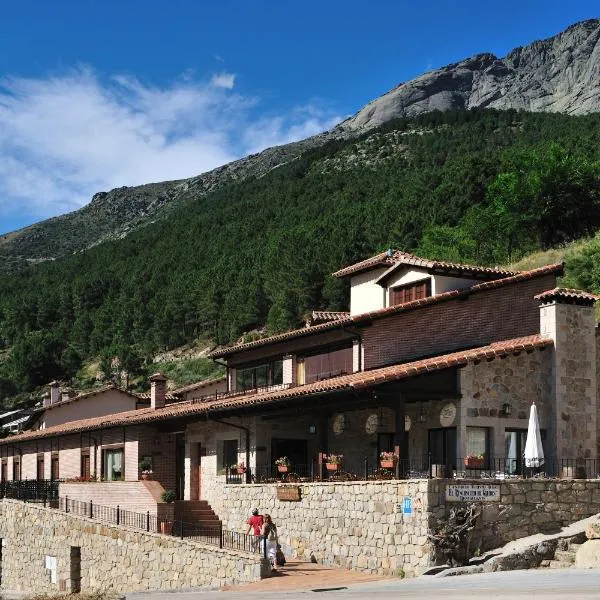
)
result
[(112, 558), (356, 525), (360, 525)]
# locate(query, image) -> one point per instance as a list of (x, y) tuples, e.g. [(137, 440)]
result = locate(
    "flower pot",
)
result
[(333, 466), (474, 463), (145, 476), (166, 527), (241, 470), (387, 464), (282, 468)]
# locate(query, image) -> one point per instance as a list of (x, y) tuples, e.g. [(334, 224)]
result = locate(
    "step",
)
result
[(559, 564), (565, 556)]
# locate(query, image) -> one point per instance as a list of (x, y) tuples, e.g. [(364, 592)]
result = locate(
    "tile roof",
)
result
[(354, 381), (396, 258), (325, 316), (84, 395), (568, 295), (199, 385), (390, 310)]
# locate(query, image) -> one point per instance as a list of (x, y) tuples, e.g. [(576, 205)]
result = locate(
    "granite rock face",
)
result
[(559, 74)]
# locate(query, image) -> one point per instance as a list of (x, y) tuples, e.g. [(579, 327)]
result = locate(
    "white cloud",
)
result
[(223, 80), (65, 137)]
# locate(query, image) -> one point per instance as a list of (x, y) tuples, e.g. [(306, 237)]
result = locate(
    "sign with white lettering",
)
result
[(472, 493)]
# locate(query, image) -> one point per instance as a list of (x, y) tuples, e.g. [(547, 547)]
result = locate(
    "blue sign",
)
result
[(407, 506)]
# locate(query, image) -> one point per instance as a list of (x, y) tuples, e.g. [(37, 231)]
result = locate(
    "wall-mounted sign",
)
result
[(456, 492), (288, 493), (448, 414)]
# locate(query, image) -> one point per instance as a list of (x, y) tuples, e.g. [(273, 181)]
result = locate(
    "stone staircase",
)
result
[(200, 517)]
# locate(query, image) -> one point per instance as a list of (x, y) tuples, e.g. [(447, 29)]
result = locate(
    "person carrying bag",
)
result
[(269, 533)]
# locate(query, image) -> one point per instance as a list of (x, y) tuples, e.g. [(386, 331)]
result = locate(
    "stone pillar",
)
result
[(54, 392), (356, 356), (231, 379), (288, 369), (568, 318), (158, 390)]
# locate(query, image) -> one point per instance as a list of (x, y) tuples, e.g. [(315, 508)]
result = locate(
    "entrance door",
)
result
[(442, 447), (199, 470), (295, 450), (180, 466)]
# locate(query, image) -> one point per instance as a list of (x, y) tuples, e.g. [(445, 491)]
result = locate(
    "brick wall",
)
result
[(475, 320)]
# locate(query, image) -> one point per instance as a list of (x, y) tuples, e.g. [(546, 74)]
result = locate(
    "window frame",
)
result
[(415, 290), (228, 457), (110, 450)]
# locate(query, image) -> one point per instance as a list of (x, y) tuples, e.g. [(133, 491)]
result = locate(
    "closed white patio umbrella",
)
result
[(534, 451)]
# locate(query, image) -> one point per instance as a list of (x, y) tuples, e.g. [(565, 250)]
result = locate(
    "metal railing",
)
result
[(424, 467), (31, 490)]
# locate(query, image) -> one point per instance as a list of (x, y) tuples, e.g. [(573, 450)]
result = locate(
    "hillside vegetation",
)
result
[(481, 186)]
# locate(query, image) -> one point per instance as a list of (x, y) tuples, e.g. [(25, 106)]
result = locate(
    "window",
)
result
[(40, 467), (85, 465), (54, 471), (230, 454), (112, 464), (327, 364), (16, 469), (4, 470), (514, 448), (410, 292), (260, 376), (478, 442)]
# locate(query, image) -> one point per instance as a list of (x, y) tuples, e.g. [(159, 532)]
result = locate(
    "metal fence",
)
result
[(46, 492)]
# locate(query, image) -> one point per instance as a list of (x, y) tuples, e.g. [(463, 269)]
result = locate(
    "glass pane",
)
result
[(277, 372), (477, 441), (262, 376)]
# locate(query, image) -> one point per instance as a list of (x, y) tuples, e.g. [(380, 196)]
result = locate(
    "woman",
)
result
[(269, 533)]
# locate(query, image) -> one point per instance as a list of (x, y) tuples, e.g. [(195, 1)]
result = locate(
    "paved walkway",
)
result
[(306, 576)]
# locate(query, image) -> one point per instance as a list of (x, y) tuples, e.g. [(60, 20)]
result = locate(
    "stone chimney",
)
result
[(46, 400), (54, 392), (158, 390)]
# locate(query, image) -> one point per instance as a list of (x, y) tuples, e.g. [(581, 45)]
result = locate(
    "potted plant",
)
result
[(387, 460), (474, 461), (333, 461), (145, 468), (240, 468), (168, 496), (283, 464)]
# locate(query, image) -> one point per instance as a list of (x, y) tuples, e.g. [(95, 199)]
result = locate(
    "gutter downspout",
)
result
[(247, 431)]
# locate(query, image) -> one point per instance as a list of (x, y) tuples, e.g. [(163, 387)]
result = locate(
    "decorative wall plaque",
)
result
[(288, 493), (472, 493), (339, 424), (448, 414), (371, 424)]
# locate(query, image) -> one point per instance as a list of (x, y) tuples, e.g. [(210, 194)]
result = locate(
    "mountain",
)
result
[(559, 74)]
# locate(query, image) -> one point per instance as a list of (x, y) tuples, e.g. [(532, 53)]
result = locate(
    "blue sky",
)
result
[(99, 94)]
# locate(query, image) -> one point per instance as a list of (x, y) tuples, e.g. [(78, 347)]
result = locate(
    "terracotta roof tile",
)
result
[(360, 380), (396, 258), (568, 295), (390, 310), (325, 315), (84, 395)]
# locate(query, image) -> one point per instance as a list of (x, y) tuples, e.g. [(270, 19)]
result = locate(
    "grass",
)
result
[(185, 371)]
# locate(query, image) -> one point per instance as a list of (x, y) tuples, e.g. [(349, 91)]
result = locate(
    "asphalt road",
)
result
[(559, 584)]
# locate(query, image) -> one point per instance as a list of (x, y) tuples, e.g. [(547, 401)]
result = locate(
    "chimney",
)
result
[(46, 400), (158, 390), (54, 392)]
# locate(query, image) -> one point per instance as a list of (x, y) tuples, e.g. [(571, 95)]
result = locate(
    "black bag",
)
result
[(279, 557)]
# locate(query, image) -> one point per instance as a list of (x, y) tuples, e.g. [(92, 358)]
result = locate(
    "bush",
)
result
[(168, 496)]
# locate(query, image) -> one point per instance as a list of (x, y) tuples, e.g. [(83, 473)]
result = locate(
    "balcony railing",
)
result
[(236, 393), (418, 468)]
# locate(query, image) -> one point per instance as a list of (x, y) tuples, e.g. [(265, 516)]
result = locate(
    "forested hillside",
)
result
[(479, 186)]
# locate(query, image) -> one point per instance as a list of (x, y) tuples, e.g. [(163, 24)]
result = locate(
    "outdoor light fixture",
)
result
[(422, 415), (312, 429), (506, 409)]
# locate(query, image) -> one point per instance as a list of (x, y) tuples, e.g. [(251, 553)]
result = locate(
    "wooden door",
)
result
[(85, 466)]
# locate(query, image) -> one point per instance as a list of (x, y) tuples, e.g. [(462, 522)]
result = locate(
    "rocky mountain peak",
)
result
[(558, 74)]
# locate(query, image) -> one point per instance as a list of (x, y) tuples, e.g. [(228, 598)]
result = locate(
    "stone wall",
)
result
[(112, 558), (356, 525), (359, 525)]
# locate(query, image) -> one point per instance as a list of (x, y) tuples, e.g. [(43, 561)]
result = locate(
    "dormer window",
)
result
[(417, 290)]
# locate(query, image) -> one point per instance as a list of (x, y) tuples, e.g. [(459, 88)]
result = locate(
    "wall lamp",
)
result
[(506, 410)]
